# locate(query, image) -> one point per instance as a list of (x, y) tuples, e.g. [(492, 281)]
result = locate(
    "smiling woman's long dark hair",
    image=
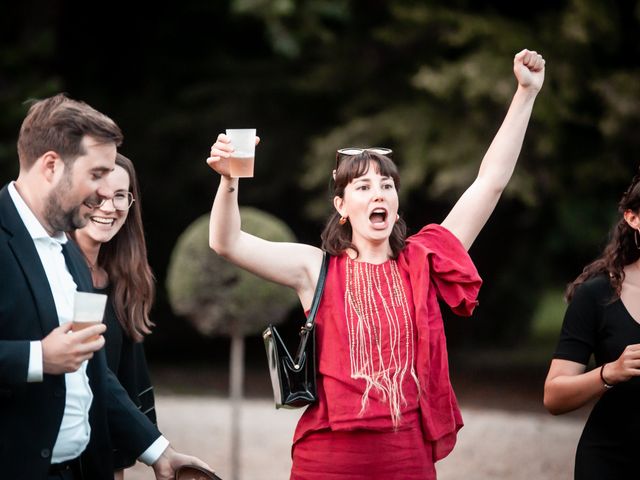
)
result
[(336, 238), (621, 250), (124, 258)]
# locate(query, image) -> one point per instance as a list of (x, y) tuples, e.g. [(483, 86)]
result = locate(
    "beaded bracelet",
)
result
[(604, 382)]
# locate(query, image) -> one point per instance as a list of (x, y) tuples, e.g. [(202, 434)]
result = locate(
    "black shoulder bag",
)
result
[(293, 378)]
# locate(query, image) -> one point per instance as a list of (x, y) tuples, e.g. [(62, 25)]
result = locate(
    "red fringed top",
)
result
[(433, 266)]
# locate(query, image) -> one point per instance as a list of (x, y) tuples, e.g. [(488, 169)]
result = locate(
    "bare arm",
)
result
[(475, 206), (294, 265), (568, 387)]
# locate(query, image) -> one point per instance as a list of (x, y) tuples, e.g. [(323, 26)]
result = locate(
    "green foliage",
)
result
[(432, 80), (433, 83), (19, 83), (215, 295), (547, 319), (291, 24)]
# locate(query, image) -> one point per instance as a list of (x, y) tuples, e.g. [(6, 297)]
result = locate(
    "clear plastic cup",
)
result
[(241, 161), (88, 310)]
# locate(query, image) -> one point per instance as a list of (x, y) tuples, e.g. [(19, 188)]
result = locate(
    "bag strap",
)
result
[(308, 325)]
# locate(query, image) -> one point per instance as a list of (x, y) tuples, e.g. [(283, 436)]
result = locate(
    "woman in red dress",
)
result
[(385, 408)]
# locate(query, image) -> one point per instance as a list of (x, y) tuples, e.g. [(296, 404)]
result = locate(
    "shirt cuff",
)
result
[(152, 454), (35, 372)]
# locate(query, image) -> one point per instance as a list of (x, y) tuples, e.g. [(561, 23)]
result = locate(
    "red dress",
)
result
[(386, 408)]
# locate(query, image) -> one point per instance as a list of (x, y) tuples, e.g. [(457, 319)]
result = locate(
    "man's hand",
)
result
[(170, 460), (64, 351)]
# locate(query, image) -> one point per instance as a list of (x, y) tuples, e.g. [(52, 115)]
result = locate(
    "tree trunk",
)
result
[(236, 379)]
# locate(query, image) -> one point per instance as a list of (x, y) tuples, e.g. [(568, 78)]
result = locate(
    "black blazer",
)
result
[(31, 413)]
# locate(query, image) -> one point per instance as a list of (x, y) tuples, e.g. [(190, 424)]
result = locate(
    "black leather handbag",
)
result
[(293, 377)]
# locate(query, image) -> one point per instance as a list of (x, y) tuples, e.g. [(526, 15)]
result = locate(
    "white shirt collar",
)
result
[(34, 227)]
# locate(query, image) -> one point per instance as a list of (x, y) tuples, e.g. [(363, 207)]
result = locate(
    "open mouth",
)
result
[(378, 216), (103, 221)]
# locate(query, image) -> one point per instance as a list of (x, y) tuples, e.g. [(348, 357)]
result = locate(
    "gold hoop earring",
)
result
[(342, 220), (635, 238)]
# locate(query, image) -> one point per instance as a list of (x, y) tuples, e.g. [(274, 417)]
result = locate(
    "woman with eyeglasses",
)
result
[(386, 409), (602, 321), (114, 247)]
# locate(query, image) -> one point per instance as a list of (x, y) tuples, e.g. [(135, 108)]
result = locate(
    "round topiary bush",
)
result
[(217, 297)]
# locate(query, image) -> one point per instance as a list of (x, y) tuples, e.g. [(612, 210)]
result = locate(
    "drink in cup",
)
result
[(243, 141), (88, 310)]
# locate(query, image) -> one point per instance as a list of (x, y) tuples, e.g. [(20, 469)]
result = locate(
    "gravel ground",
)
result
[(493, 444)]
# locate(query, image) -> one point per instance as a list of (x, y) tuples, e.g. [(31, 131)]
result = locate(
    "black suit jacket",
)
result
[(31, 413)]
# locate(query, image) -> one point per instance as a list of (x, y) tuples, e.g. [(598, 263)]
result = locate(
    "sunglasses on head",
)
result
[(351, 151)]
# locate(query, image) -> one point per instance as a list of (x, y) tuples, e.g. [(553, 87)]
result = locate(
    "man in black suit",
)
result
[(61, 410)]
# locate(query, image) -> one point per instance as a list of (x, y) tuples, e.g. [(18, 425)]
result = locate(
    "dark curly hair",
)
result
[(621, 250)]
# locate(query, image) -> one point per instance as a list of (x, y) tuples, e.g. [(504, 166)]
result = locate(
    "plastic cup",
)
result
[(241, 161), (88, 310)]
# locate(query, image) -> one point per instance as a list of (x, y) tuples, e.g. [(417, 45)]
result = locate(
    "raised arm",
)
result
[(295, 265), (476, 204)]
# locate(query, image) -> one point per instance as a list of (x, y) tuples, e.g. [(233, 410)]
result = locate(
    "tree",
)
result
[(429, 79), (432, 81), (219, 298)]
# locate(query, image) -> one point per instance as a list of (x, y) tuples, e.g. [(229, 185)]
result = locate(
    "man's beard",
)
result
[(59, 219)]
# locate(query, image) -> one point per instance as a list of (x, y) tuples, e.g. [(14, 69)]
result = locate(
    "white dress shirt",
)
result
[(75, 430)]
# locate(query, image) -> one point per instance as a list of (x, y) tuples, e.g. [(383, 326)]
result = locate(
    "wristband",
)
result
[(604, 382)]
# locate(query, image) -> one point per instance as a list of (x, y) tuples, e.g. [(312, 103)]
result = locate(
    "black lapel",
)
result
[(77, 266), (26, 254)]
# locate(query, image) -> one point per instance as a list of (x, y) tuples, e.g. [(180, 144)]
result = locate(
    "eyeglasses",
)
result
[(121, 201), (351, 151)]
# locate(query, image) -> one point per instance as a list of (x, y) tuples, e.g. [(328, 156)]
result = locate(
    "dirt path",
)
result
[(493, 444)]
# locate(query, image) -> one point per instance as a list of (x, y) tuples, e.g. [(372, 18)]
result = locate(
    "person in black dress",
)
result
[(603, 320), (114, 247)]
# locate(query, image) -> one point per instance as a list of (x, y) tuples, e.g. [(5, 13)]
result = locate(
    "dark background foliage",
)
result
[(430, 79)]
